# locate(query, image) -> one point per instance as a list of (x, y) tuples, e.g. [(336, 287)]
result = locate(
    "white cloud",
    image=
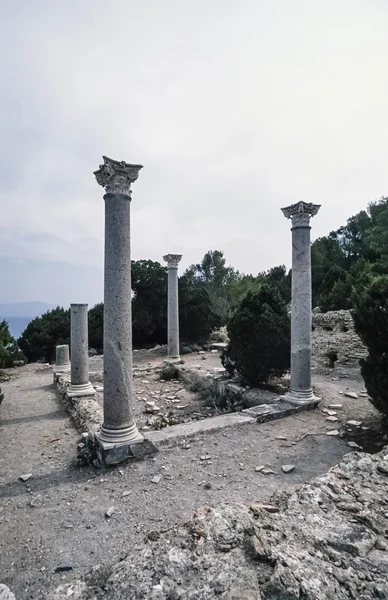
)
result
[(234, 108)]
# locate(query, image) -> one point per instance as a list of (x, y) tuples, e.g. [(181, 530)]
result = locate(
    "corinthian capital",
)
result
[(116, 177), (300, 213), (172, 260)]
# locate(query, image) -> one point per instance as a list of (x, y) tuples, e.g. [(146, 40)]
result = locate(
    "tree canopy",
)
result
[(346, 261)]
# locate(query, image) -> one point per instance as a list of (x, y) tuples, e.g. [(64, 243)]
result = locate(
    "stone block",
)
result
[(114, 454), (270, 412)]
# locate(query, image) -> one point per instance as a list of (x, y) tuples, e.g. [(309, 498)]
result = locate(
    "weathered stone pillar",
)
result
[(300, 388), (118, 433), (173, 306), (79, 383), (62, 359)]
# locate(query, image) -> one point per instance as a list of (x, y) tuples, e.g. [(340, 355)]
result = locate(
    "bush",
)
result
[(10, 354), (370, 317), (196, 317), (43, 334), (96, 327), (169, 372), (149, 303), (259, 333)]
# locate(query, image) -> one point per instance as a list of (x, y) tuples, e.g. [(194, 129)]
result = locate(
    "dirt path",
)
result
[(58, 516)]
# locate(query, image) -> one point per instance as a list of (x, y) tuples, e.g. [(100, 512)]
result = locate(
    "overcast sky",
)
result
[(235, 108)]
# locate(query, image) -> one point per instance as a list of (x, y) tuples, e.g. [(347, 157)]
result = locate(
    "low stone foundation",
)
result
[(85, 411)]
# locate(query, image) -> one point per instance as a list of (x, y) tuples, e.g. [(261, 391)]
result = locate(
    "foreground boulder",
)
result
[(325, 540)]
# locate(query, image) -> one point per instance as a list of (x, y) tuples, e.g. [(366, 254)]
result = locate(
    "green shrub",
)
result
[(43, 334), (10, 354), (196, 316), (370, 317), (96, 327), (259, 333), (169, 372)]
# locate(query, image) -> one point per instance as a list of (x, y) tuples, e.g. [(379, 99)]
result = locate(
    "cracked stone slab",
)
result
[(185, 430)]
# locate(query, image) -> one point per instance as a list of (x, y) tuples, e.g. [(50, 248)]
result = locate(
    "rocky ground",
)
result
[(173, 401), (64, 517), (327, 539)]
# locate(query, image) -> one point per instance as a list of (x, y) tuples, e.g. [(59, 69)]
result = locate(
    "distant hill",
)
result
[(19, 314), (24, 309)]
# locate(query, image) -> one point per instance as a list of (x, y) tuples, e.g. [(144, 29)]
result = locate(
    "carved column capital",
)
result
[(172, 260), (300, 213), (116, 176)]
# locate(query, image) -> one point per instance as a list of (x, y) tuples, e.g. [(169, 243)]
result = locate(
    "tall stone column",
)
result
[(118, 426), (300, 388), (172, 261), (79, 382)]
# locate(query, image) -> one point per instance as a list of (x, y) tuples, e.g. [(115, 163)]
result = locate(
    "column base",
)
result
[(305, 398), (173, 360), (125, 435), (111, 452), (62, 368), (83, 389)]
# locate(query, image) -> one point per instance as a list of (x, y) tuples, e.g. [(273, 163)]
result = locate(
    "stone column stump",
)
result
[(301, 392), (79, 383), (62, 359)]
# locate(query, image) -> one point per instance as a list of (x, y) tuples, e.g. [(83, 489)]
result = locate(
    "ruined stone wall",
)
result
[(333, 332)]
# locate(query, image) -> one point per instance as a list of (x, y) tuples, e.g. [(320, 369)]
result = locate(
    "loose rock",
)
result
[(5, 593), (63, 567), (25, 477), (268, 471), (288, 468), (353, 444), (256, 508), (383, 467)]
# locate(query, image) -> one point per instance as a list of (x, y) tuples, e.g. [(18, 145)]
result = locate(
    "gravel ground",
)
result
[(57, 517)]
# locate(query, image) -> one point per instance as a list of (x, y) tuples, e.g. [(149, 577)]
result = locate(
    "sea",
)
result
[(16, 324)]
